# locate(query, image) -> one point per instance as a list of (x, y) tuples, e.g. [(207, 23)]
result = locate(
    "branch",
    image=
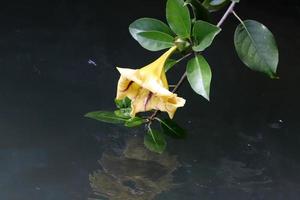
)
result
[(184, 75), (180, 82), (228, 11)]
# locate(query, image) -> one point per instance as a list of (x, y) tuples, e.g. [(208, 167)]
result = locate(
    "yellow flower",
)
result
[(148, 88)]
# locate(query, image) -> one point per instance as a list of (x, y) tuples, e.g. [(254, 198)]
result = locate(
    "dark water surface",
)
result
[(57, 62)]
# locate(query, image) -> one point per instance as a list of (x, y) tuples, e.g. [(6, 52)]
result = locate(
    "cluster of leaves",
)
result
[(119, 116), (190, 28), (154, 140)]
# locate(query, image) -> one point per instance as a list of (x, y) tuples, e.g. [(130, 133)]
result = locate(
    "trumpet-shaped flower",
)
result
[(148, 88)]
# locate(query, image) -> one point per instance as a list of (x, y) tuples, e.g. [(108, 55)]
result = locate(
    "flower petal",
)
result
[(127, 88), (148, 88), (152, 76), (147, 101)]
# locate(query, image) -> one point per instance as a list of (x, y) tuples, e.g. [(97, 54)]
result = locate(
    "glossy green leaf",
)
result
[(169, 64), (256, 47), (152, 34), (199, 11), (123, 103), (172, 129), (135, 121), (155, 141), (104, 116), (178, 17), (123, 113), (203, 35), (199, 75), (148, 24), (215, 5), (155, 40)]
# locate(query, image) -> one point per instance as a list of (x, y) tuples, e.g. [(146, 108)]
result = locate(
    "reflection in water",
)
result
[(236, 175), (135, 174)]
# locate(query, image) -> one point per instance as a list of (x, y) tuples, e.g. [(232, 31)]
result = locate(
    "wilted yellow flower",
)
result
[(148, 88)]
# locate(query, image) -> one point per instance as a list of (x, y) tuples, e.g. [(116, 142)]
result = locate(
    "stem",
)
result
[(228, 11), (153, 115), (180, 82), (234, 13), (184, 57)]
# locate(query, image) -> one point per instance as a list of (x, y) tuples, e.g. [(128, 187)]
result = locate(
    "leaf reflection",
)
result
[(136, 174)]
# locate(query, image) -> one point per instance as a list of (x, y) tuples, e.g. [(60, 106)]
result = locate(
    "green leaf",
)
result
[(148, 24), (152, 34), (215, 5), (256, 47), (178, 17), (199, 11), (203, 34), (199, 75), (169, 64), (155, 40), (172, 129), (133, 122), (155, 141), (104, 116), (123, 103), (123, 113)]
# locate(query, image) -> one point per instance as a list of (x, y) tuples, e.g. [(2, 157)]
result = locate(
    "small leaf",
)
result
[(123, 103), (178, 17), (215, 5), (199, 75), (203, 34), (104, 116), (169, 64), (123, 113), (256, 47), (152, 34), (172, 129), (133, 122), (155, 141), (155, 40)]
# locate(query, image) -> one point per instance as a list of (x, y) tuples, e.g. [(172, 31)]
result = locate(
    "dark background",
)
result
[(47, 148)]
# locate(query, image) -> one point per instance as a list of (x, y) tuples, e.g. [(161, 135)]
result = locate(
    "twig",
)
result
[(228, 11), (184, 57), (179, 82)]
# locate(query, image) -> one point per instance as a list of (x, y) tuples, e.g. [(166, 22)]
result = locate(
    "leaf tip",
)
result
[(207, 98), (275, 77), (87, 114)]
